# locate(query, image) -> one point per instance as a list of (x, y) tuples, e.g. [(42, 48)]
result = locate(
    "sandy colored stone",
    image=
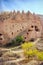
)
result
[(15, 23)]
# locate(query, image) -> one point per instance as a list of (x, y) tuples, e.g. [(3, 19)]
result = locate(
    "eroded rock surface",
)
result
[(16, 23)]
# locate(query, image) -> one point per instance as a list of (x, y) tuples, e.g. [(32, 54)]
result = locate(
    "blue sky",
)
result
[(31, 5)]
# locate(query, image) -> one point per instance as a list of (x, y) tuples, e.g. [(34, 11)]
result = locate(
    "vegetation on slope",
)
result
[(15, 42), (31, 51)]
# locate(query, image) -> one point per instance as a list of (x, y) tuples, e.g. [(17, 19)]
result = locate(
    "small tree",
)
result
[(19, 39), (15, 42)]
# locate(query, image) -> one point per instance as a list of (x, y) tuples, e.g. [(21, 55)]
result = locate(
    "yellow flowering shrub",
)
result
[(27, 45), (40, 55), (35, 51), (28, 51)]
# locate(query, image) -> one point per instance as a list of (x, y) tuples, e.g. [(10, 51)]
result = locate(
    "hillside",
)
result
[(41, 18), (21, 40), (15, 23)]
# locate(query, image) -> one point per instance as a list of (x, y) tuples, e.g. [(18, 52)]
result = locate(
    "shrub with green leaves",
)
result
[(19, 39), (15, 42)]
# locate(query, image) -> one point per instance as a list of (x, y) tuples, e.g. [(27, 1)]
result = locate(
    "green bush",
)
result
[(15, 42), (19, 39)]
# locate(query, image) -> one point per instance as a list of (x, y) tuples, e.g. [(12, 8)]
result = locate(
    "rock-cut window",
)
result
[(0, 34), (32, 26), (36, 28), (12, 33)]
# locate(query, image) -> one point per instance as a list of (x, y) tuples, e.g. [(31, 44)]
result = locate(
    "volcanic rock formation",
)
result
[(15, 23)]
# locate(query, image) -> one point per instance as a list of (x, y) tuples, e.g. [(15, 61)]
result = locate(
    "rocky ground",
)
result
[(16, 56)]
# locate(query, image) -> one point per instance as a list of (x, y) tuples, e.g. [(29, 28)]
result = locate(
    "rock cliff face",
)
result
[(15, 23), (41, 18)]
